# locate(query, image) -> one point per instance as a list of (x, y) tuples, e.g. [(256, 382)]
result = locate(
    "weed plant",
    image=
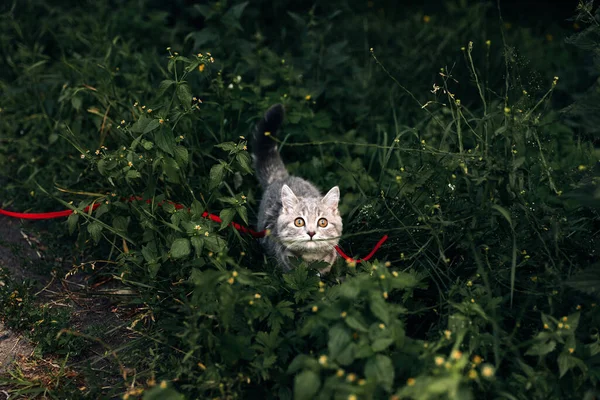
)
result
[(438, 134)]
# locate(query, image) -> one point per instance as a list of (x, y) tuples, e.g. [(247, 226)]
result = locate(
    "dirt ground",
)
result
[(13, 344), (89, 298)]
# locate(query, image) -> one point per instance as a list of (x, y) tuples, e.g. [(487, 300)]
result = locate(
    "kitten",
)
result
[(302, 222)]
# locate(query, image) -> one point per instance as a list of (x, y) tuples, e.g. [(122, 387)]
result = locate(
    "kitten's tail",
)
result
[(268, 164)]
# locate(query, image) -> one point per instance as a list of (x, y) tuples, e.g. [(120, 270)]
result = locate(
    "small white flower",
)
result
[(230, 86)]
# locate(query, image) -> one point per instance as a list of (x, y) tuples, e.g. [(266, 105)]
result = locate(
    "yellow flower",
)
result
[(381, 326), (352, 397), (456, 354), (487, 371), (307, 97), (351, 377), (315, 308), (395, 274), (339, 373), (257, 296), (230, 281), (571, 350), (488, 43), (362, 382), (546, 326), (344, 314), (410, 381), (385, 295), (426, 19), (472, 374), (323, 360), (382, 276), (439, 360), (122, 122), (201, 67), (206, 233), (163, 385), (234, 274), (477, 359)]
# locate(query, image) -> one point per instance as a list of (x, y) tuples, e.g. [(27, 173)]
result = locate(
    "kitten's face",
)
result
[(309, 224)]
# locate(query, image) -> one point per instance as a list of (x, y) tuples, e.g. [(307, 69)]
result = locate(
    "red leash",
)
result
[(212, 217)]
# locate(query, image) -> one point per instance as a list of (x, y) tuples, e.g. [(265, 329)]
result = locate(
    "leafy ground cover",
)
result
[(470, 141)]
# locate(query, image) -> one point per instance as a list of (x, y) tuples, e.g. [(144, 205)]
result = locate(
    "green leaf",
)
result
[(149, 253), (504, 212), (381, 344), (567, 362), (243, 159), (381, 370), (226, 216), (152, 125), (198, 244), (217, 173), (379, 308), (356, 324), (197, 209), (144, 125), (227, 146), (184, 94), (541, 349), (306, 385), (157, 393), (180, 248), (132, 174), (165, 141), (163, 86), (587, 281), (339, 339), (95, 231), (181, 155), (72, 222), (243, 213)]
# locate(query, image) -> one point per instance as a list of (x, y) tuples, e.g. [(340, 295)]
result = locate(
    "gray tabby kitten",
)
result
[(302, 222)]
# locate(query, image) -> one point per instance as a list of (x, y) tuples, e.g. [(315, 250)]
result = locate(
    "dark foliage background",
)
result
[(467, 133)]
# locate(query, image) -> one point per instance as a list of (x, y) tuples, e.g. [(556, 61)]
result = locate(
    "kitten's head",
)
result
[(309, 224)]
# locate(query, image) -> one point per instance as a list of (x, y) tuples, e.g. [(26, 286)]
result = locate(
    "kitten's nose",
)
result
[(311, 234)]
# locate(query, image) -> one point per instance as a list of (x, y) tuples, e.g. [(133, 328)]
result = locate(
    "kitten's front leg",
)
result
[(283, 258), (329, 259)]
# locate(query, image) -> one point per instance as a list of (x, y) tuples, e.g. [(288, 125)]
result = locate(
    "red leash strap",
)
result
[(212, 217), (371, 254)]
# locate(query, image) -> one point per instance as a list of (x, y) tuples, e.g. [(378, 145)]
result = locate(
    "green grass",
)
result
[(467, 142)]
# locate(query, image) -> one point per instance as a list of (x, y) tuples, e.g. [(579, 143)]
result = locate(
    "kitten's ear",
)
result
[(288, 198), (332, 198)]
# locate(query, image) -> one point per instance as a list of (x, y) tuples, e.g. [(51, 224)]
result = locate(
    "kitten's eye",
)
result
[(299, 222), (322, 222)]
